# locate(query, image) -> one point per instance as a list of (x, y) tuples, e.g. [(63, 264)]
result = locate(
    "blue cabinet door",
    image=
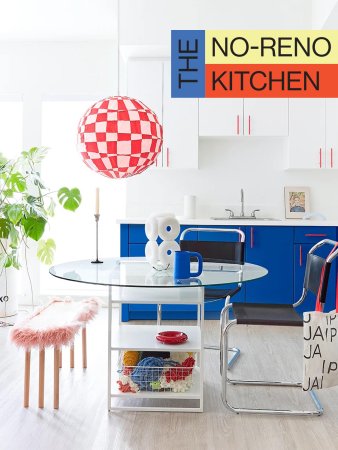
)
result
[(271, 247), (300, 253)]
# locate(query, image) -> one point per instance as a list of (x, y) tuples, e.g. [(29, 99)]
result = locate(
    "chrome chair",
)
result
[(316, 274), (219, 253)]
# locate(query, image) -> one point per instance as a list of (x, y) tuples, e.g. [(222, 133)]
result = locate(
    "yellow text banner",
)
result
[(271, 46)]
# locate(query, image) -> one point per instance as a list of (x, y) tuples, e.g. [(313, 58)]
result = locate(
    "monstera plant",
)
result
[(26, 205)]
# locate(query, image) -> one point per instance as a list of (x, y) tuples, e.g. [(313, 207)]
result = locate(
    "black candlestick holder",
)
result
[(97, 218)]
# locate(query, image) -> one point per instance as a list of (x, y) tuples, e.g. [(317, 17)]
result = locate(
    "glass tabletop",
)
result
[(136, 272)]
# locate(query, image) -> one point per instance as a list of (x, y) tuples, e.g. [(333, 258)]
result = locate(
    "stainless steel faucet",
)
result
[(242, 213), (242, 203)]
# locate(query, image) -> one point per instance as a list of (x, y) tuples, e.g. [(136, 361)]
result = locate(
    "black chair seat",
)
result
[(262, 314), (219, 294)]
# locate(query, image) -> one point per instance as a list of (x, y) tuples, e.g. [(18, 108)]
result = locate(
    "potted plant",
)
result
[(26, 205)]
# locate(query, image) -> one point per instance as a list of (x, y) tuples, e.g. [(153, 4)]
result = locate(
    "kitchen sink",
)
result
[(243, 218)]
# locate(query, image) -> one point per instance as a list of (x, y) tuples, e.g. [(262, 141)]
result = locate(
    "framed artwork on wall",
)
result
[(296, 201)]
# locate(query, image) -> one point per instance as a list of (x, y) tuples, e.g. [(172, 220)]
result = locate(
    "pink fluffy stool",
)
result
[(53, 325)]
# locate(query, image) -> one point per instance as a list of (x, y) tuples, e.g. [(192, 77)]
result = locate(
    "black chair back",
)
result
[(218, 252), (313, 275)]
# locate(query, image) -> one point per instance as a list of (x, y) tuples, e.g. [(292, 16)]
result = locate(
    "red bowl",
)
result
[(171, 337)]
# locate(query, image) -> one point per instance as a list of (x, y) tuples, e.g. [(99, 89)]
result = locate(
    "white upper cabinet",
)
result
[(150, 81), (313, 133), (221, 117), (331, 150), (266, 117), (180, 128), (144, 82), (243, 117)]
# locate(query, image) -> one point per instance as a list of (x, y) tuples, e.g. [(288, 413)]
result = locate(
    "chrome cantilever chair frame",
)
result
[(234, 350), (227, 324)]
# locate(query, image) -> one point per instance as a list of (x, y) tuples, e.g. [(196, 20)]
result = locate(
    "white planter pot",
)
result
[(9, 282)]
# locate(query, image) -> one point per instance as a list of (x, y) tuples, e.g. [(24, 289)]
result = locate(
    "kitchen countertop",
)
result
[(257, 222)]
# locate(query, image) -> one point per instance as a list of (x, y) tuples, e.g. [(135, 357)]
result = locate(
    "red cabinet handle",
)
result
[(249, 120), (331, 157), (300, 256), (167, 156), (237, 123), (315, 235), (252, 237), (320, 158)]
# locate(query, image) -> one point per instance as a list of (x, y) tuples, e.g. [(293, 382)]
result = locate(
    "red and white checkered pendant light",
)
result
[(119, 137)]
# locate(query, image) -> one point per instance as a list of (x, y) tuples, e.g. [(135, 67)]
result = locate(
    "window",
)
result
[(10, 128), (74, 233)]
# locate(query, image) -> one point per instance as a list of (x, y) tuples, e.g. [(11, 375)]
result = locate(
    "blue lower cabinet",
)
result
[(270, 247), (300, 254), (282, 250)]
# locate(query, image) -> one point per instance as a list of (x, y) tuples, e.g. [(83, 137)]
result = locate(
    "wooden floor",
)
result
[(82, 422)]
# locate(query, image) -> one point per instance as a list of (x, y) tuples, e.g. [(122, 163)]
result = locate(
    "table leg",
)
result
[(202, 347), (159, 314), (41, 378), (109, 344), (56, 377), (84, 347), (72, 356), (27, 378)]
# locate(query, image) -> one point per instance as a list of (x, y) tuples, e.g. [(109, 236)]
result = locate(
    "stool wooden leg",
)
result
[(56, 377), (60, 358), (27, 378), (72, 356), (41, 378), (84, 347)]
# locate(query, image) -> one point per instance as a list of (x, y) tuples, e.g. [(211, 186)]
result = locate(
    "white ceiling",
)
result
[(97, 19), (57, 19)]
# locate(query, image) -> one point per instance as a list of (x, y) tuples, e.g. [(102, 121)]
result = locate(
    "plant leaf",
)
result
[(7, 193), (34, 227), (3, 258), (36, 210), (69, 198), (46, 251), (3, 160), (5, 228), (16, 182), (7, 261), (13, 258), (51, 208), (14, 237), (14, 213), (35, 154)]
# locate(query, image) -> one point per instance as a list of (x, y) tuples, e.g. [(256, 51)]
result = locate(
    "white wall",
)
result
[(226, 165), (321, 10), (59, 20), (148, 22)]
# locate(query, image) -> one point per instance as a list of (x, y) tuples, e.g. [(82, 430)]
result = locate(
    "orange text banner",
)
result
[(271, 80)]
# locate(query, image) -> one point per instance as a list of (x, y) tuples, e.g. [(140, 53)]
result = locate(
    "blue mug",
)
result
[(182, 265)]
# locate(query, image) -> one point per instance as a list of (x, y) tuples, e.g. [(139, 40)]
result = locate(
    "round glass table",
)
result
[(137, 273), (133, 280)]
